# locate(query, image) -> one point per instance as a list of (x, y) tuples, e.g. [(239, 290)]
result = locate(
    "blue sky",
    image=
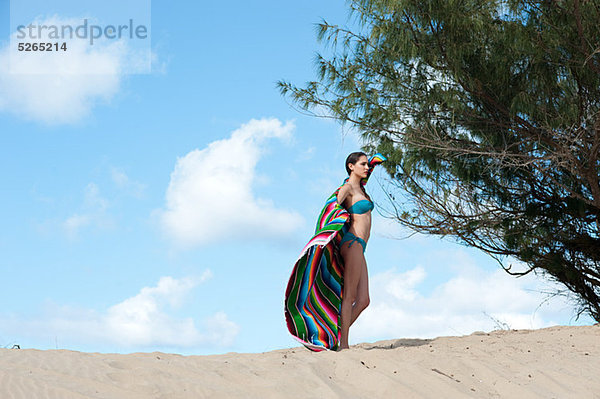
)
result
[(165, 210)]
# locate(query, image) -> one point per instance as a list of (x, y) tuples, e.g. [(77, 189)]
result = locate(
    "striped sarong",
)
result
[(313, 297)]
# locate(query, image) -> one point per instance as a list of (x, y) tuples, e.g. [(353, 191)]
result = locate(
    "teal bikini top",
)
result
[(362, 206)]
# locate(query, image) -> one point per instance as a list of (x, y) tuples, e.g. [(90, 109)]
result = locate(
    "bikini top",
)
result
[(362, 206)]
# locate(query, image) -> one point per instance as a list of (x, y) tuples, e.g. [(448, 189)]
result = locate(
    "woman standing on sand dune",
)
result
[(329, 288), (359, 206)]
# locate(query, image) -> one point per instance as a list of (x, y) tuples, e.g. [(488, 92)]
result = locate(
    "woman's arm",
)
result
[(342, 194)]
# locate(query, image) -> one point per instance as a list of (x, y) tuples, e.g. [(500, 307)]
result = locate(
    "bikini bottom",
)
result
[(348, 236)]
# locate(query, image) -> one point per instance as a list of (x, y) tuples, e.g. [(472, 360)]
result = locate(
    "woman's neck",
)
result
[(354, 180)]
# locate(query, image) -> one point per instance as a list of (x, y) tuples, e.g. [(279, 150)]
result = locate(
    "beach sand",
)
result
[(555, 362)]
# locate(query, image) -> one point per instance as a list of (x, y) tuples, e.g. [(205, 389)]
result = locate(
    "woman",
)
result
[(328, 287), (357, 202)]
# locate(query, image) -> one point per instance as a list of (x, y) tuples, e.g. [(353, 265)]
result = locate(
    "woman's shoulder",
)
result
[(345, 187), (348, 190), (352, 189)]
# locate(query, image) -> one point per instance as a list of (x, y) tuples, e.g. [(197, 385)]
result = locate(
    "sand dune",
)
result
[(556, 362)]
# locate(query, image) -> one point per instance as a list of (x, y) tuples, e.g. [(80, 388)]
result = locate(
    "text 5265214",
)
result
[(47, 46)]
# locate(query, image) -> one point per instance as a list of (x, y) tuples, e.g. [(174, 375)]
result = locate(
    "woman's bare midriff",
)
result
[(360, 225)]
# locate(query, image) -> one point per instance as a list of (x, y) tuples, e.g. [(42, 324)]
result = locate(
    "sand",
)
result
[(556, 362)]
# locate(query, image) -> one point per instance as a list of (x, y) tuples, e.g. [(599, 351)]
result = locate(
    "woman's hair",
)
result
[(353, 158)]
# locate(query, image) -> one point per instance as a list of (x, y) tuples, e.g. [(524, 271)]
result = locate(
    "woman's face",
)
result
[(361, 167)]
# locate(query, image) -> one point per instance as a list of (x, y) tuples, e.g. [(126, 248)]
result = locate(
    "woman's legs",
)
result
[(355, 289), (362, 293)]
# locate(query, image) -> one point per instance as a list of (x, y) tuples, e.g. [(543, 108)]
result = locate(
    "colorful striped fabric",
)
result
[(313, 297)]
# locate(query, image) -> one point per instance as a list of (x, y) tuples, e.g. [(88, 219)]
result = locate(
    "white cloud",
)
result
[(92, 213), (74, 81), (306, 155), (120, 178), (93, 210), (473, 299), (140, 321), (210, 195), (219, 329), (74, 223), (92, 198)]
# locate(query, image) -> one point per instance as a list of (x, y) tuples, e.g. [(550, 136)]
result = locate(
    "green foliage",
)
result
[(488, 112)]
